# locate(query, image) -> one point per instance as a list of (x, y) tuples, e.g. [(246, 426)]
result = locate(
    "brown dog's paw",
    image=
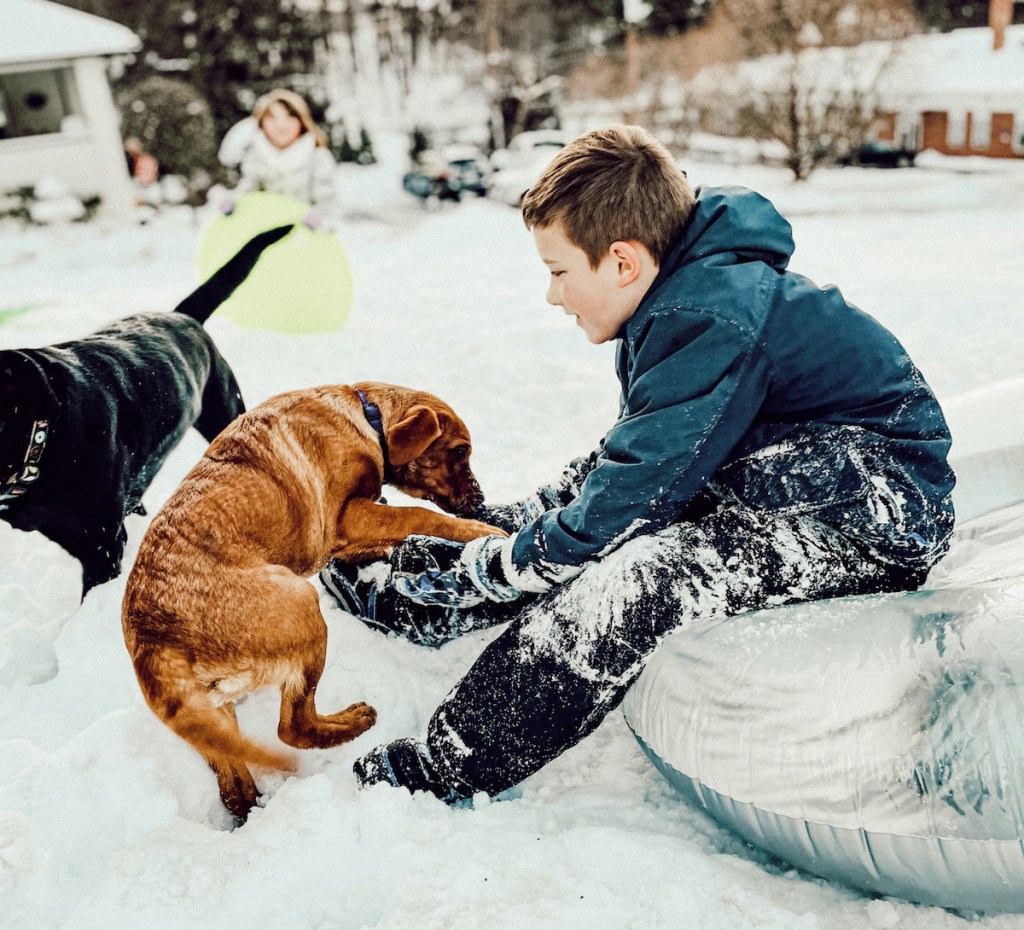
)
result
[(354, 720), (362, 715), (474, 529), (237, 788)]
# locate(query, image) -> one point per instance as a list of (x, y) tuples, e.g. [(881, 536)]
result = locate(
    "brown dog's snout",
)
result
[(463, 494), (471, 498)]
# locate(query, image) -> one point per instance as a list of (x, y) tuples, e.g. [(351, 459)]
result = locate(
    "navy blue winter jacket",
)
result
[(727, 355)]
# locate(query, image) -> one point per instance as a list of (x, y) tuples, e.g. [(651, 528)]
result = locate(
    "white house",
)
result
[(57, 114)]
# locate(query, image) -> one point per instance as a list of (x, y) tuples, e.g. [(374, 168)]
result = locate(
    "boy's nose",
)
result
[(553, 296)]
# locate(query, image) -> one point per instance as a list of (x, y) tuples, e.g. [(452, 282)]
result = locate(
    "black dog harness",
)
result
[(21, 480), (372, 412)]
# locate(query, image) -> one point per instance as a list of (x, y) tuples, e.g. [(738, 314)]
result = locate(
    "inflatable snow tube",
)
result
[(302, 284), (876, 741), (987, 426)]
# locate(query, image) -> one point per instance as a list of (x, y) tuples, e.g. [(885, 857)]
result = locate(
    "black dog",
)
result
[(85, 425)]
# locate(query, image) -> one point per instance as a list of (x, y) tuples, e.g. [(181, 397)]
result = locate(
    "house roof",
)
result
[(957, 70), (960, 68), (37, 30)]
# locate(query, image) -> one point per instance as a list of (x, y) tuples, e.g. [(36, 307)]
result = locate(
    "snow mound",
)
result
[(40, 588)]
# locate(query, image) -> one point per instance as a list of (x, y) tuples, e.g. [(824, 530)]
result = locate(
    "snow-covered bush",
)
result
[(49, 201)]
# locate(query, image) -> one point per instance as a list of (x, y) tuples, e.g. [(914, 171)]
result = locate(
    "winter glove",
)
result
[(226, 206), (467, 574), (508, 517), (559, 493), (313, 220)]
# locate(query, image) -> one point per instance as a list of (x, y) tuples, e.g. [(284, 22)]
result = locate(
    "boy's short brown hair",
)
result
[(610, 184)]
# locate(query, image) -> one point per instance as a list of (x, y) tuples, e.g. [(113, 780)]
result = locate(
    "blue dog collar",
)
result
[(372, 413)]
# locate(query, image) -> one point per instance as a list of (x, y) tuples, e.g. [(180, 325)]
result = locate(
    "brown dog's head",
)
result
[(428, 447)]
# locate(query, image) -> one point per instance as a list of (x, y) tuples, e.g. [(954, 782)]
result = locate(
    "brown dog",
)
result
[(218, 603)]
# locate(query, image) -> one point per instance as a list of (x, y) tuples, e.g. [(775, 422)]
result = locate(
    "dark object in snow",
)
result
[(87, 424)]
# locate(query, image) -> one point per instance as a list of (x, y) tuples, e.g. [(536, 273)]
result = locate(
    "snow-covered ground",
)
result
[(107, 820)]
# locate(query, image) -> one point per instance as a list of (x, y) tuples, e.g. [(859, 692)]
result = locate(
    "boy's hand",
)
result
[(465, 575)]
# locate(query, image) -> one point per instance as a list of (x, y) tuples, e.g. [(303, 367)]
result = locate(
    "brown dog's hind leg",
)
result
[(237, 788), (301, 726)]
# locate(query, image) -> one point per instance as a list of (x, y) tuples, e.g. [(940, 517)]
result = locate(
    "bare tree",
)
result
[(814, 76)]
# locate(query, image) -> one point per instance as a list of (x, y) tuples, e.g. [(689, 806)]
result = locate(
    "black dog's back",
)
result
[(222, 284), (115, 404)]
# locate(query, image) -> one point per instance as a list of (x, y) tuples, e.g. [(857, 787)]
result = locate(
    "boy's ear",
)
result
[(410, 436), (629, 257)]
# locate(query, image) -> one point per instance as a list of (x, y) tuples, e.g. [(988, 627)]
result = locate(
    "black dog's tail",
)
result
[(210, 295)]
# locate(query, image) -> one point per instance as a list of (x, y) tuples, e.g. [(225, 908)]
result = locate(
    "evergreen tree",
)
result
[(945, 15), (231, 51), (365, 155)]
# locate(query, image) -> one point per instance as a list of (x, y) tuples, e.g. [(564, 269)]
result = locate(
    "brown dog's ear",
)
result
[(411, 436)]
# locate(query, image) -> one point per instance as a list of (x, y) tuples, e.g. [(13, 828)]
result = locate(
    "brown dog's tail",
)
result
[(174, 695), (222, 284)]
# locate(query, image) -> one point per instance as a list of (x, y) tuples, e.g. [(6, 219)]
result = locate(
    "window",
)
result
[(34, 103), (981, 130), (956, 130), (908, 131)]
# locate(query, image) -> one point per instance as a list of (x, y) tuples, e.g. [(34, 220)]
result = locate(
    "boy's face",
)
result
[(603, 298)]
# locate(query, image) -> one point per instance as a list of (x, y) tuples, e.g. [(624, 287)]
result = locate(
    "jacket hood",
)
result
[(729, 226), (736, 224)]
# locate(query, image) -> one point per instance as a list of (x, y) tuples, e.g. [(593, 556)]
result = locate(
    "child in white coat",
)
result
[(289, 155)]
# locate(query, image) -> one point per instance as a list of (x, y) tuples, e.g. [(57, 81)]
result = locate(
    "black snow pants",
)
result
[(568, 656)]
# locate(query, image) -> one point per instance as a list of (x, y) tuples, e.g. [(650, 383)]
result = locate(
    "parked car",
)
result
[(430, 177), (469, 168), (881, 155), (447, 175), (516, 168)]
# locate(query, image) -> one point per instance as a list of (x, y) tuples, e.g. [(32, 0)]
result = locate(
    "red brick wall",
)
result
[(934, 127)]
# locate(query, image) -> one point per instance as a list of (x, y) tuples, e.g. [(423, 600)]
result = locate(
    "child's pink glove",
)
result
[(313, 220), (226, 206)]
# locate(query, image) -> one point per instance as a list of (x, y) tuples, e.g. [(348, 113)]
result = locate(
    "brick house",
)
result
[(959, 93)]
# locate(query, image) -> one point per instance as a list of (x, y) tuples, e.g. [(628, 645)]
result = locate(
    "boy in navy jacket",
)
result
[(774, 444)]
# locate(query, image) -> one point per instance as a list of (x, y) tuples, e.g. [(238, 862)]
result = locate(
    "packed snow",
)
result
[(109, 820)]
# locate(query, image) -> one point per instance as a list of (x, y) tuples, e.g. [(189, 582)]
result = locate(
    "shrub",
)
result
[(174, 124)]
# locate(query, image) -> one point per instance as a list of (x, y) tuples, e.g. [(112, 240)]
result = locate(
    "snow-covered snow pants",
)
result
[(568, 657), (829, 511)]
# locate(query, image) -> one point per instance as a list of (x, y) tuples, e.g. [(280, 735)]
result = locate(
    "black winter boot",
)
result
[(405, 763)]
